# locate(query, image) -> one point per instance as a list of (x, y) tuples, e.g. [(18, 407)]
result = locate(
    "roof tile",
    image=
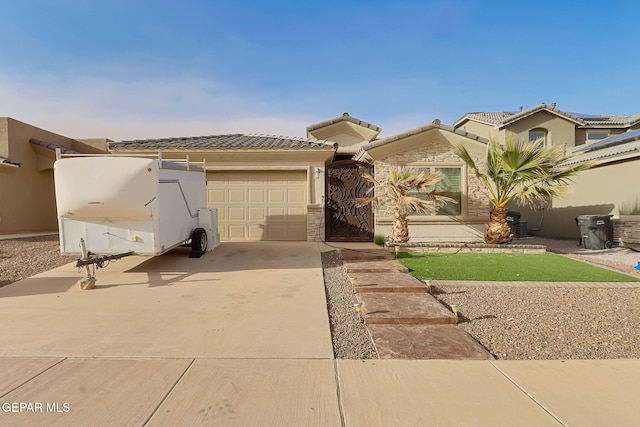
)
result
[(231, 142)]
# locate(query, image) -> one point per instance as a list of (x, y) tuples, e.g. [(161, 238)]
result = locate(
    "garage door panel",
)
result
[(296, 211), (236, 232), (294, 230), (237, 195), (216, 196), (265, 205), (256, 214), (255, 232), (255, 195), (276, 211), (276, 195), (236, 214), (296, 195)]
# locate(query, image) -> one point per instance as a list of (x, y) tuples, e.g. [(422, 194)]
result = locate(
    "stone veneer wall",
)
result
[(315, 223), (626, 229), (454, 248), (434, 152)]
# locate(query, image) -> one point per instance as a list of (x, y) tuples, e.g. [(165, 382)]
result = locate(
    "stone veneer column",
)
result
[(315, 223)]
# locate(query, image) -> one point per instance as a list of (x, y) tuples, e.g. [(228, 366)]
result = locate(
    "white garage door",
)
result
[(265, 205)]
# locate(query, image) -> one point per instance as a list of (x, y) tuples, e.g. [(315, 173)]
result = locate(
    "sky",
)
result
[(141, 69)]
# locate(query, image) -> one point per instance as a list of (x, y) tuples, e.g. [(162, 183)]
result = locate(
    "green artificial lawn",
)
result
[(506, 267)]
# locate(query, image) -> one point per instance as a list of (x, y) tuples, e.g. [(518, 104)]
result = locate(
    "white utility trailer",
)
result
[(110, 207)]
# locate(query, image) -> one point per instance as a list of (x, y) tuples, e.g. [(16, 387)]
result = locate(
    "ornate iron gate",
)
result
[(345, 220)]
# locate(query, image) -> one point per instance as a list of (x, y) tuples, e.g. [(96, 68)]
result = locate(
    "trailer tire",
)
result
[(198, 243)]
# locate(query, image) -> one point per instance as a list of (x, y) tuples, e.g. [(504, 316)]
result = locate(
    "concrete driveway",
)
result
[(243, 300)]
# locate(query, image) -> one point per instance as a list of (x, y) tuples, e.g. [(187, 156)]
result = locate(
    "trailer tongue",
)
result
[(110, 207)]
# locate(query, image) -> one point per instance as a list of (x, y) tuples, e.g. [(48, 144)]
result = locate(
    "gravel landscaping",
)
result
[(22, 258), (513, 323), (351, 339)]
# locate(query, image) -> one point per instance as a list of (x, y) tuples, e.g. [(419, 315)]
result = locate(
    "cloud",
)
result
[(84, 107)]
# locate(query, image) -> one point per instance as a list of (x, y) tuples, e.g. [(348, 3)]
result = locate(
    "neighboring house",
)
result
[(264, 187), (27, 153), (607, 189), (547, 122)]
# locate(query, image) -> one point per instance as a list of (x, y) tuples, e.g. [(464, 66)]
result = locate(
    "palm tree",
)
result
[(523, 172), (407, 191)]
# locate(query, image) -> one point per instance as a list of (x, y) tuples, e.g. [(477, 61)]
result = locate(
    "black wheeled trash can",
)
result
[(596, 231)]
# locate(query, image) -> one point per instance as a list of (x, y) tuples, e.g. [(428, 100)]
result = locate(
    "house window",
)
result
[(451, 183), (596, 136), (538, 135)]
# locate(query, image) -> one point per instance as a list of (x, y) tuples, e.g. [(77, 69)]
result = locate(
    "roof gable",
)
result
[(502, 119), (345, 117), (367, 152)]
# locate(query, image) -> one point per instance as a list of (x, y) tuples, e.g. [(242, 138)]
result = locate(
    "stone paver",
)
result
[(371, 253), (375, 266), (403, 308), (388, 282), (426, 342)]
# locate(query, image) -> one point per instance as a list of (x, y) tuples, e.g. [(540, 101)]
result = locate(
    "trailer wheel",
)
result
[(198, 243)]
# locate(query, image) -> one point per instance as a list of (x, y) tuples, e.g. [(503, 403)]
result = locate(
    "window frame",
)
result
[(463, 189), (592, 132), (544, 133)]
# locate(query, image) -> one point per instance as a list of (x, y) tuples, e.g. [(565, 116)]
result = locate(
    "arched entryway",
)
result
[(345, 220)]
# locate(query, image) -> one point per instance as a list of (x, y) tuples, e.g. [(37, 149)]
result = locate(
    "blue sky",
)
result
[(127, 69)]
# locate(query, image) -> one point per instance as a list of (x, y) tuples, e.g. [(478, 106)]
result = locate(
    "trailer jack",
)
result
[(92, 261)]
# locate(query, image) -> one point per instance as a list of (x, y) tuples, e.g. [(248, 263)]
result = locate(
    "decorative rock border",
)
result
[(454, 247)]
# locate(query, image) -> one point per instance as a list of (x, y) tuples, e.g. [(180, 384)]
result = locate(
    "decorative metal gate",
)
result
[(345, 220)]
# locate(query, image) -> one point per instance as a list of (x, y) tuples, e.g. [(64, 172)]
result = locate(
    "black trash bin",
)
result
[(596, 231)]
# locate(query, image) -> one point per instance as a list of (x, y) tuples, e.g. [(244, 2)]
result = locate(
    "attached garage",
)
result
[(264, 187), (259, 205)]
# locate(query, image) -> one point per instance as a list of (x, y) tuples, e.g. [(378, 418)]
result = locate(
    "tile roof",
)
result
[(228, 142), (582, 120), (436, 124), (630, 136), (342, 118), (52, 147), (631, 149)]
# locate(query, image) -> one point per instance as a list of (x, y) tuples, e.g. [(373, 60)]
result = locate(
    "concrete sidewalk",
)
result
[(241, 337)]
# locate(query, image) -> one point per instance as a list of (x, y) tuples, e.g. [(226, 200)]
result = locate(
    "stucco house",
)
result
[(611, 141), (265, 187), (27, 153), (288, 188)]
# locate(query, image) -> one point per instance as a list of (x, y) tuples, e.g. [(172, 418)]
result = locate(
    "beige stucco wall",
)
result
[(560, 131), (436, 148), (603, 190), (27, 199), (312, 162), (480, 129)]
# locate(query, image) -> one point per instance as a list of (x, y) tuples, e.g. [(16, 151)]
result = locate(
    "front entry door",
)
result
[(345, 220)]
